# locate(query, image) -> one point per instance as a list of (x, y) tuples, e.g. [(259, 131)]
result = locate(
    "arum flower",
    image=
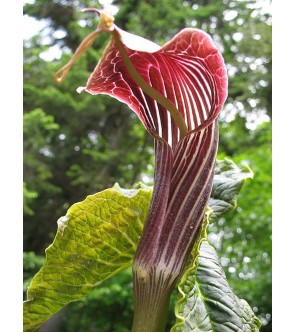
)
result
[(177, 91)]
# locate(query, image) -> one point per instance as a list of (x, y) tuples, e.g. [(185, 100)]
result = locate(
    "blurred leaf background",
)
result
[(76, 145)]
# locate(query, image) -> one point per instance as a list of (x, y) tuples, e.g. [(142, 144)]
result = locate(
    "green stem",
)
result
[(151, 298), (150, 318), (150, 91)]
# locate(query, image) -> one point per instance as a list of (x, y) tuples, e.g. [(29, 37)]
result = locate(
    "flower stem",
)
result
[(151, 306), (153, 277)]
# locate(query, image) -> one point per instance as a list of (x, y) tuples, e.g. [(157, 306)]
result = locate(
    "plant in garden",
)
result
[(177, 91)]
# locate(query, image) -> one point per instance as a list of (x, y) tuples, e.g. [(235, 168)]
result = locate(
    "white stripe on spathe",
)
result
[(201, 136)]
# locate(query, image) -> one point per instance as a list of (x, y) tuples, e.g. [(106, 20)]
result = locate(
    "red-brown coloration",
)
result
[(188, 70)]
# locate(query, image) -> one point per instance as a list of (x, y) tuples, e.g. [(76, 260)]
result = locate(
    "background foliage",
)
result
[(76, 145)]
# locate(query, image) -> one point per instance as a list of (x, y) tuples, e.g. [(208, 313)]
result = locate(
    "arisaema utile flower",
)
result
[(177, 91)]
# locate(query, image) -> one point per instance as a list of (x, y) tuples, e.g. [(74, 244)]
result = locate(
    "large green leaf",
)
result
[(96, 239), (227, 183), (207, 302)]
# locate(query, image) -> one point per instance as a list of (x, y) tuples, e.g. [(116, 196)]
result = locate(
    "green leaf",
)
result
[(227, 183), (96, 239), (207, 302)]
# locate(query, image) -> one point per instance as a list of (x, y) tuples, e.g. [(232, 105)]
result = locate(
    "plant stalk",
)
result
[(153, 277), (151, 305)]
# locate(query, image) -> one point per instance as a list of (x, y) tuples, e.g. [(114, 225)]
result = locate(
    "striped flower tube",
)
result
[(177, 91)]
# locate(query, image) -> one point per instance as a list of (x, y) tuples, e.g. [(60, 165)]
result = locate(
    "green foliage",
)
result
[(228, 181), (38, 129), (144, 18), (208, 303), (243, 238), (95, 240), (28, 197), (31, 264), (108, 307)]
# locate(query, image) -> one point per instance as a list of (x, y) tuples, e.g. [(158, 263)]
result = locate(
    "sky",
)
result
[(30, 27)]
